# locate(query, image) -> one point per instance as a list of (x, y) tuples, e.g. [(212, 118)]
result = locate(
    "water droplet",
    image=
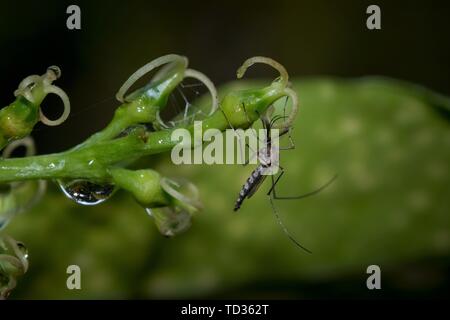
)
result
[(85, 192), (23, 249), (170, 221)]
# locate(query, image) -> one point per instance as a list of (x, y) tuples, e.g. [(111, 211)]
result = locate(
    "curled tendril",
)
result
[(65, 99), (19, 251), (27, 83), (284, 77), (283, 80), (53, 73), (19, 198), (190, 73), (167, 59), (165, 69), (194, 74), (13, 264), (26, 86), (170, 221), (294, 110), (189, 195), (176, 218), (27, 142), (161, 122)]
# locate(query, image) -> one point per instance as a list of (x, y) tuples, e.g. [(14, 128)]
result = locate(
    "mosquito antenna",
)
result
[(192, 85), (90, 106), (185, 101), (284, 107), (278, 117), (236, 135), (275, 119), (311, 193), (226, 118), (283, 227)]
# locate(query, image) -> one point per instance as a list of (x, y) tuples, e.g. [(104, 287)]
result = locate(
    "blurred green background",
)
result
[(388, 141)]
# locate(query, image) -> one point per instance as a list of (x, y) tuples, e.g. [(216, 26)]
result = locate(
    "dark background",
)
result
[(308, 37)]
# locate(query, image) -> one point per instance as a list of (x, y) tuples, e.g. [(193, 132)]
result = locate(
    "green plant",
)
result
[(92, 171), (13, 264), (102, 158), (389, 206)]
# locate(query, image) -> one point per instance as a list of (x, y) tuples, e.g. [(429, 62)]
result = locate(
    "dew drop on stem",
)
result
[(85, 192)]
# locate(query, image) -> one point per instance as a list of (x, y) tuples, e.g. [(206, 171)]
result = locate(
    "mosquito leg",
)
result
[(254, 152), (248, 120), (260, 143), (291, 143), (186, 103), (231, 126), (289, 130), (246, 114), (283, 227), (274, 182), (300, 196)]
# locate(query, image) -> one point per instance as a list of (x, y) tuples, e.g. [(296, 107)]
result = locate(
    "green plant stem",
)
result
[(92, 159), (17, 120)]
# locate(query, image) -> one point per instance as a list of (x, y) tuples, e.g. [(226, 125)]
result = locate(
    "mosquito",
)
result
[(266, 159)]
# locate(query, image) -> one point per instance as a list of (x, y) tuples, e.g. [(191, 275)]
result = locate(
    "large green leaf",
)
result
[(389, 142)]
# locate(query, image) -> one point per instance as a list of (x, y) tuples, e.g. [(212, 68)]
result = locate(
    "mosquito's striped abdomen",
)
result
[(251, 183)]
